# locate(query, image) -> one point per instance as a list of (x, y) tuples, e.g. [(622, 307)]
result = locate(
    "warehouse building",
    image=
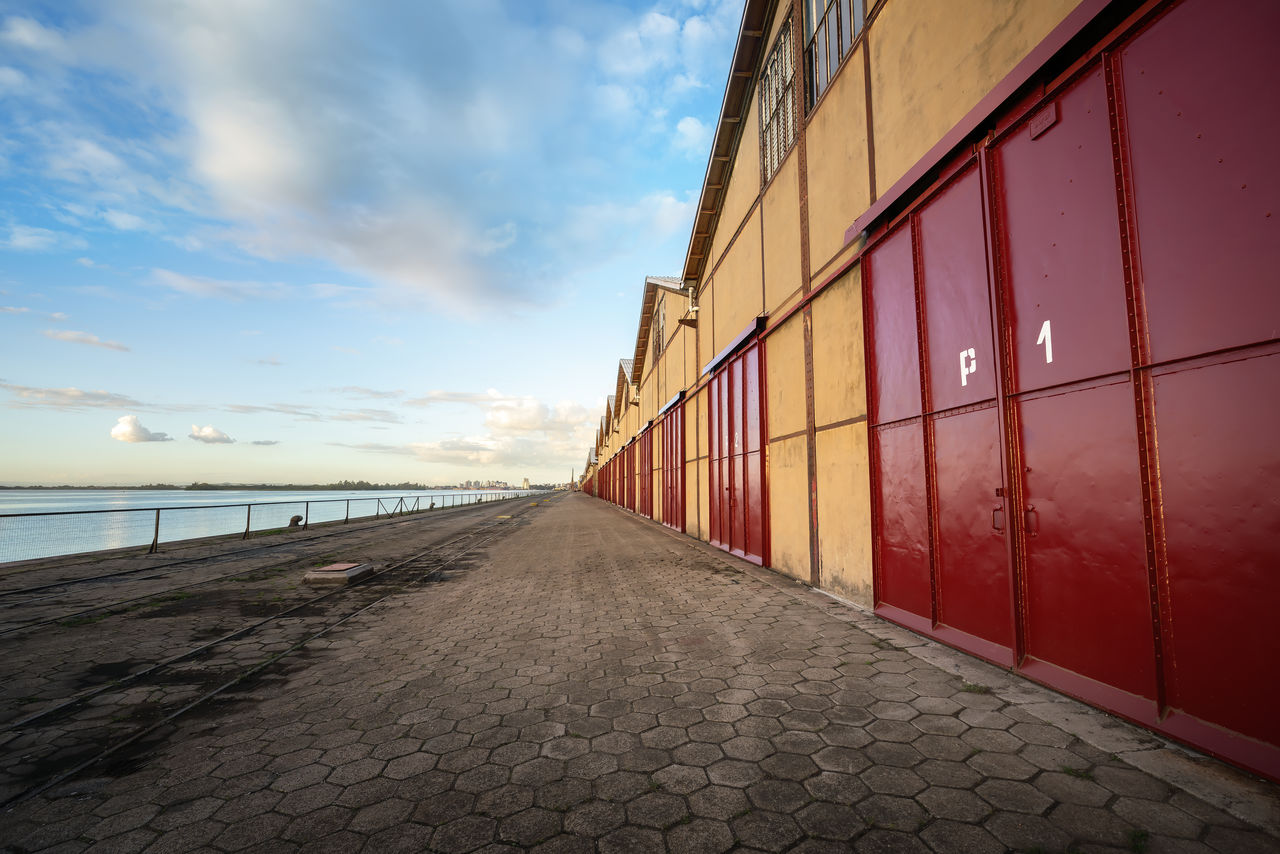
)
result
[(979, 327)]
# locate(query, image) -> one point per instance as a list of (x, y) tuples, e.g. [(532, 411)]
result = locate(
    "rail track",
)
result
[(64, 587), (118, 716)]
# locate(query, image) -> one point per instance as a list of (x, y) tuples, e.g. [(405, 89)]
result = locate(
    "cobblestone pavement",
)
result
[(595, 682)]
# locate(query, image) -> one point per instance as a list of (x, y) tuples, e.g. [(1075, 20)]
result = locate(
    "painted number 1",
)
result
[(1046, 338)]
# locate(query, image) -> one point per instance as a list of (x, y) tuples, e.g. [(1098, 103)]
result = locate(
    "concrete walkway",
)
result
[(596, 682)]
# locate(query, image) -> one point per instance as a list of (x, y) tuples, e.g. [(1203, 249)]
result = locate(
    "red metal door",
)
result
[(737, 438), (1202, 149), (1127, 221), (673, 468), (971, 560), (901, 538), (644, 474), (1205, 190), (1083, 543)]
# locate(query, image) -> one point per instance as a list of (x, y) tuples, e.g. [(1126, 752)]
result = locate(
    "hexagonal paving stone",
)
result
[(766, 831), (656, 809), (949, 837), (631, 840), (504, 801), (890, 811), (830, 821), (621, 785), (781, 796), (720, 802), (529, 827), (1014, 796), (955, 804), (595, 818)]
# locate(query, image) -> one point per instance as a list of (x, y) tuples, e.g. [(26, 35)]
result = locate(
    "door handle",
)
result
[(997, 518)]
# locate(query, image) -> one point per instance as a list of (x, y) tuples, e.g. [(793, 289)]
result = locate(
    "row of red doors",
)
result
[(1073, 373), (736, 486), (737, 438)]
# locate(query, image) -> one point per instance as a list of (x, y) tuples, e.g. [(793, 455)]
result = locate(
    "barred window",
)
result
[(830, 27), (777, 105), (659, 329)]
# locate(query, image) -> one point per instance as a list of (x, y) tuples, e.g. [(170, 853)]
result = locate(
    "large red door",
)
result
[(1074, 348), (737, 440), (644, 473), (672, 426)]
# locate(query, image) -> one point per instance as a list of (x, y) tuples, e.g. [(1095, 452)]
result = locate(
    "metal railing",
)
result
[(26, 536)]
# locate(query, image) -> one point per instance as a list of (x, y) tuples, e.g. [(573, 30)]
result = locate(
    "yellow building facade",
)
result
[(954, 266)]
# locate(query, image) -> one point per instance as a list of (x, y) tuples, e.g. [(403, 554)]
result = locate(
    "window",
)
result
[(830, 27), (777, 104), (659, 333)]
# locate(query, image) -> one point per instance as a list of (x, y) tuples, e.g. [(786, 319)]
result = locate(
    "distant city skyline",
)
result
[(236, 249)]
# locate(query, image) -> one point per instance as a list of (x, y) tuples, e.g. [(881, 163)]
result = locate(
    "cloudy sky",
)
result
[(311, 240)]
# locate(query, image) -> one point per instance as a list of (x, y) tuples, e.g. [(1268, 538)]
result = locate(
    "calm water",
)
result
[(109, 518)]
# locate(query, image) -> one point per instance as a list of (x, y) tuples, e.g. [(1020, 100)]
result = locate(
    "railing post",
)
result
[(248, 520), (306, 519), (155, 541), (348, 517)]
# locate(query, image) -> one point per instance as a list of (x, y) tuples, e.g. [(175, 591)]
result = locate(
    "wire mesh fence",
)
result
[(27, 536)]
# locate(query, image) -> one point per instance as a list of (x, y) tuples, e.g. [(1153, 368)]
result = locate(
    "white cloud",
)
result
[(640, 45), (84, 338), (361, 391), (442, 175), (13, 309), (12, 80), (31, 34), (483, 398), (68, 398), (129, 429), (27, 238), (124, 221), (265, 442), (201, 286), (210, 435), (692, 138), (519, 431), (384, 416)]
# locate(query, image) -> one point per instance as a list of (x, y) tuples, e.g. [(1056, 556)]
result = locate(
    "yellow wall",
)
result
[(781, 217), (839, 177), (844, 512), (838, 372), (784, 380), (744, 184), (789, 506), (739, 295), (932, 62)]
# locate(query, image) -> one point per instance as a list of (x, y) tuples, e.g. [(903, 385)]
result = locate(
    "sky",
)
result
[(304, 241)]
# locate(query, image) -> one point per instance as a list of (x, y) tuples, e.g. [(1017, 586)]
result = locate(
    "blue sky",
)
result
[(304, 241)]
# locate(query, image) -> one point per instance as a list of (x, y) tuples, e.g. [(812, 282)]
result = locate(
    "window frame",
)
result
[(777, 89), (821, 37)]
